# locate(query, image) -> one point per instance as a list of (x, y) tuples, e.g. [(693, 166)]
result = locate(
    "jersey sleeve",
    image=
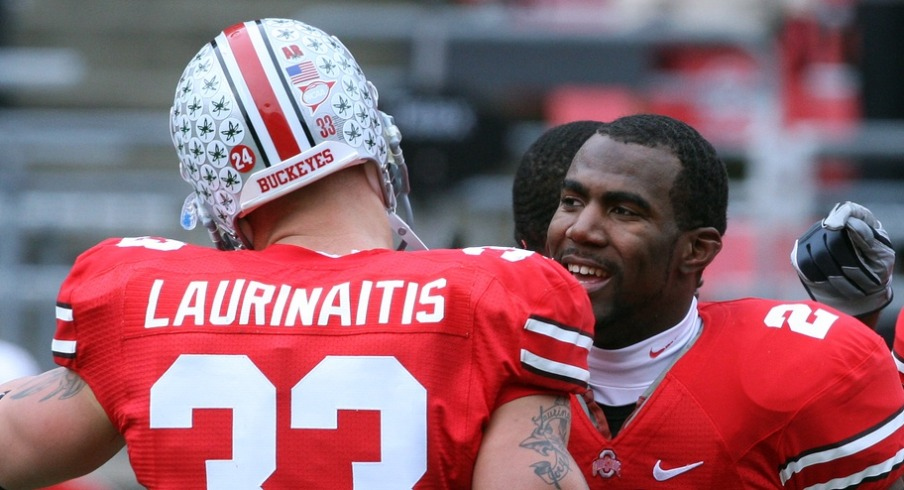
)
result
[(898, 349), (88, 296), (87, 266), (852, 433), (550, 323)]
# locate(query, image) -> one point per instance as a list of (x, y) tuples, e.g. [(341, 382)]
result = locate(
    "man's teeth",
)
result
[(584, 270)]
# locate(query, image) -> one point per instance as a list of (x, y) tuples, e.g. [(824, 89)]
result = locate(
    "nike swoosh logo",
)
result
[(655, 353), (662, 475)]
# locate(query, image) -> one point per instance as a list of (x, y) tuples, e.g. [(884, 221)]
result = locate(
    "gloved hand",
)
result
[(846, 260)]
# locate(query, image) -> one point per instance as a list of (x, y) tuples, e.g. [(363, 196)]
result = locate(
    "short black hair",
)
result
[(699, 195), (538, 180)]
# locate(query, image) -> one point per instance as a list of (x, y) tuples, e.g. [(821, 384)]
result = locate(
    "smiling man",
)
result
[(740, 394)]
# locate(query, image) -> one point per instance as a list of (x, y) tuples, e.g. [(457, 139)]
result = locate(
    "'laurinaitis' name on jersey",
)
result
[(249, 302)]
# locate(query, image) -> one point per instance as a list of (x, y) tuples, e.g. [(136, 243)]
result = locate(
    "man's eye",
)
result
[(569, 201)]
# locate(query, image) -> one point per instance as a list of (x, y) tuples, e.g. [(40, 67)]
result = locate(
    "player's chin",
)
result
[(602, 300)]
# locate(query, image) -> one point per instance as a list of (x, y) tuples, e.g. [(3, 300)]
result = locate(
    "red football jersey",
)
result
[(898, 346), (771, 395), (287, 368)]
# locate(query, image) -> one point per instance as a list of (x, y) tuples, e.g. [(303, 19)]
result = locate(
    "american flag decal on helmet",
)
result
[(302, 72), (550, 350)]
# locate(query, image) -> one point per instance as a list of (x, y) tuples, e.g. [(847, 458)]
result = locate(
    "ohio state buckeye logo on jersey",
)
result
[(607, 465)]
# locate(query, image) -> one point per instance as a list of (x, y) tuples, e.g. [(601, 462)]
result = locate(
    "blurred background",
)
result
[(804, 99)]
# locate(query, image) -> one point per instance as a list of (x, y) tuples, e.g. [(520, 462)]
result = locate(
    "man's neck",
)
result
[(337, 215), (620, 376), (629, 325), (336, 244)]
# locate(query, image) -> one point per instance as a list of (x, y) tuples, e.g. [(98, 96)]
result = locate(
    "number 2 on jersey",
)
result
[(801, 319), (196, 381)]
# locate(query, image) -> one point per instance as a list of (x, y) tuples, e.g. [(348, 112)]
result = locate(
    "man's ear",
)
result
[(701, 247)]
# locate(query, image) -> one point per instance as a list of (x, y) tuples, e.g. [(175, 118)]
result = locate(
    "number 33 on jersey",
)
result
[(288, 376)]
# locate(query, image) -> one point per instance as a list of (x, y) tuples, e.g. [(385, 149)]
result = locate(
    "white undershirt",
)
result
[(620, 376)]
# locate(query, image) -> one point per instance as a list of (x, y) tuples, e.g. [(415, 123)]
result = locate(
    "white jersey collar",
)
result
[(620, 376)]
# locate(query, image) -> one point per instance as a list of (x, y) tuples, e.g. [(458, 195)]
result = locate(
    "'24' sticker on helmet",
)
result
[(242, 158)]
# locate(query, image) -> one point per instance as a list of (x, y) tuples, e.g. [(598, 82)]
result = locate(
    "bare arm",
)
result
[(52, 429), (525, 447)]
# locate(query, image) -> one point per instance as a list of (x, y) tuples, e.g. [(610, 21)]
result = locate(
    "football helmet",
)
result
[(269, 106)]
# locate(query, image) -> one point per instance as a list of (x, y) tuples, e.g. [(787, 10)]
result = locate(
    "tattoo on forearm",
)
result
[(59, 383), (548, 438), (1, 396)]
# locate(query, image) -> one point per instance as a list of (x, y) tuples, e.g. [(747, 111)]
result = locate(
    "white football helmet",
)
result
[(270, 106)]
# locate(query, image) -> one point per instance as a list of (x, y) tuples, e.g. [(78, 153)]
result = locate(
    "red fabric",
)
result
[(287, 368), (753, 395), (899, 344)]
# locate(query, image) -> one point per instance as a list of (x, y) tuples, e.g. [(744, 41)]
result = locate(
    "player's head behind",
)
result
[(699, 194), (268, 107), (538, 180)]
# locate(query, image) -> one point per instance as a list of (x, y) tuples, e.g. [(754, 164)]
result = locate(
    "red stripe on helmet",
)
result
[(262, 91)]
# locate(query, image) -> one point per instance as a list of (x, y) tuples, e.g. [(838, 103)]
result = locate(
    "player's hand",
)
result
[(846, 260)]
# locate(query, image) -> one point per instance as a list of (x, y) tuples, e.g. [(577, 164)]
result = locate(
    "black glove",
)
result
[(846, 260)]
